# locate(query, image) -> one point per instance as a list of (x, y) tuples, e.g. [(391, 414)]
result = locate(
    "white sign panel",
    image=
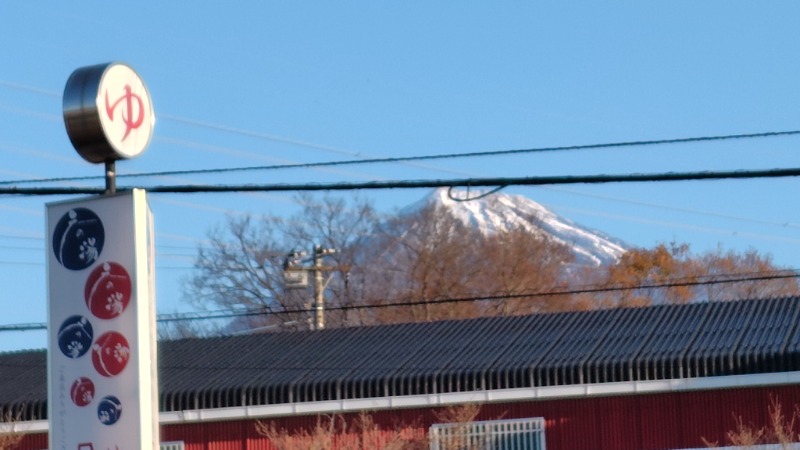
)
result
[(102, 374)]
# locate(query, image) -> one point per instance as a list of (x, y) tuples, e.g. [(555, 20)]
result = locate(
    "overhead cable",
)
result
[(250, 312), (415, 184), (722, 279), (418, 158)]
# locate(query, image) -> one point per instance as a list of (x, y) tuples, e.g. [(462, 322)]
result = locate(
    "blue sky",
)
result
[(238, 84)]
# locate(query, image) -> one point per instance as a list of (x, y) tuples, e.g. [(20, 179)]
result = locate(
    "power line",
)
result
[(415, 184), (256, 134), (781, 224), (718, 279), (421, 158), (187, 121), (292, 141), (251, 312), (24, 327)]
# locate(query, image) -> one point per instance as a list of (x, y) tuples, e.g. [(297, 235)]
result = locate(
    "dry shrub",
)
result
[(465, 413), (746, 435), (460, 438), (319, 438), (10, 436), (331, 433), (780, 429), (334, 433)]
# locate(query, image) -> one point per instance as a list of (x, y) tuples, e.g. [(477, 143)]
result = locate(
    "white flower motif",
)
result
[(89, 250), (121, 353), (75, 348), (114, 303)]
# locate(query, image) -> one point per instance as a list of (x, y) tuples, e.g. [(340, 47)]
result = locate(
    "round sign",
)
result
[(108, 290), (75, 336), (109, 410), (108, 112), (82, 391), (110, 354), (78, 238)]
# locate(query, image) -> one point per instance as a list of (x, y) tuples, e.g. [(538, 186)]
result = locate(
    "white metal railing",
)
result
[(512, 434)]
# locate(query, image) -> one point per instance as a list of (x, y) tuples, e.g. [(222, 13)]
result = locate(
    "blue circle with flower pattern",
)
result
[(78, 239), (75, 336), (109, 410)]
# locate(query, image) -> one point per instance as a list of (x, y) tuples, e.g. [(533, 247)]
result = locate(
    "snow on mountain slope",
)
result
[(502, 212)]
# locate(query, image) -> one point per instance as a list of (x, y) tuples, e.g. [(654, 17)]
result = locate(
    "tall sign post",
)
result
[(102, 369)]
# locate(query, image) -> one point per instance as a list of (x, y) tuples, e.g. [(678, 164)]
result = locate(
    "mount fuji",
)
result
[(499, 212)]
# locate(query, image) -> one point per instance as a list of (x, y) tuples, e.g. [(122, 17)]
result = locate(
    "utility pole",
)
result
[(319, 285), (296, 276)]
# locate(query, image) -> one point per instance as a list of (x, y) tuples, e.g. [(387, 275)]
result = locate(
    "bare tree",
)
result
[(430, 265), (424, 259), (181, 328), (242, 266)]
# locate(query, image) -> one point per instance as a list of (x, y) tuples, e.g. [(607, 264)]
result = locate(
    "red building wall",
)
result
[(631, 422)]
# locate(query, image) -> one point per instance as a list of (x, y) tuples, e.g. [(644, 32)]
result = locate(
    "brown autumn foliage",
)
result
[(426, 260), (672, 274), (432, 257), (646, 267), (421, 259)]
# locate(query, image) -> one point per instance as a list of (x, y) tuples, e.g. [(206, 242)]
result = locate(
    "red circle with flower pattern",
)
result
[(110, 354), (107, 290), (82, 391)]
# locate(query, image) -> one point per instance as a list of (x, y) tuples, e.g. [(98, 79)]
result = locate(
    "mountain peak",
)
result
[(501, 212)]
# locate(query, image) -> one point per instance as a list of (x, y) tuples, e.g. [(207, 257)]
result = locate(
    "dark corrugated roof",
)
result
[(633, 344)]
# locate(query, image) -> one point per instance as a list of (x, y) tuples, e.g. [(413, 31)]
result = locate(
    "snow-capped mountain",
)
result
[(502, 212)]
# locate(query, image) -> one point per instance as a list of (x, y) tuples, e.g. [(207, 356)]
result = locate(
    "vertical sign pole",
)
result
[(101, 321), (111, 178)]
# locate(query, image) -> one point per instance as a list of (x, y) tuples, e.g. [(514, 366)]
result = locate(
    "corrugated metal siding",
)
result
[(36, 441), (640, 422), (657, 425), (648, 422)]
